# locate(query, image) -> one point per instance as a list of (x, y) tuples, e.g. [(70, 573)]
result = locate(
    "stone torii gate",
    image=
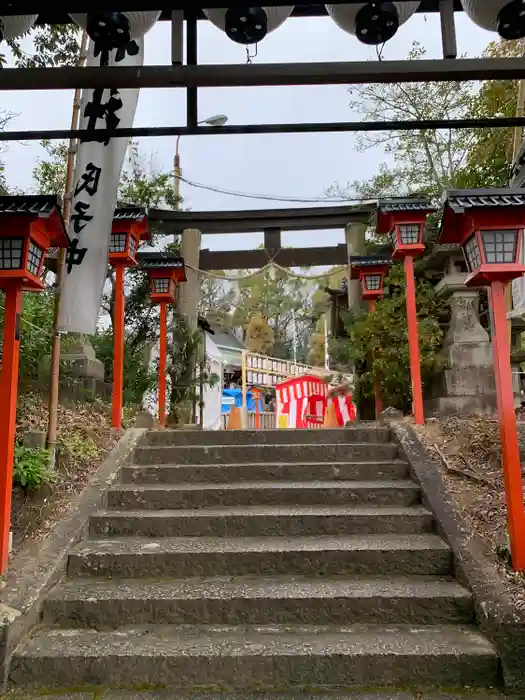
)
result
[(191, 226)]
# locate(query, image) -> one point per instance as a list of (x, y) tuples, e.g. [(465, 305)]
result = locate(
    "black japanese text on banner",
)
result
[(97, 174)]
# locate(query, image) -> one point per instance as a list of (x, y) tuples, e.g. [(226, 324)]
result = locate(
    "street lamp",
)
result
[(28, 227), (165, 271), (403, 218), (371, 271), (216, 120), (129, 228), (489, 225)]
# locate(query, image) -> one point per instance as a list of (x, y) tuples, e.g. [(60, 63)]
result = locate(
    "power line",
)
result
[(276, 198)]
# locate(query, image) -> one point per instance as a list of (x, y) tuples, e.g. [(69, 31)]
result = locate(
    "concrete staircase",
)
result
[(245, 561)]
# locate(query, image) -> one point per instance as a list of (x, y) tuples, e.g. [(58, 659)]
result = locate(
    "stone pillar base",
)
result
[(461, 405), (81, 361)]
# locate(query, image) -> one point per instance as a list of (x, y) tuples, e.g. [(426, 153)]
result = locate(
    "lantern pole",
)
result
[(8, 400), (413, 342), (162, 361), (377, 385), (118, 347), (508, 429)]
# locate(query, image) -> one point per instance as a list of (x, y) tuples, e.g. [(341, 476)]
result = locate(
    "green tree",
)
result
[(378, 342), (280, 298), (489, 159), (53, 46), (216, 299), (428, 162), (316, 351), (260, 336), (419, 162), (49, 174)]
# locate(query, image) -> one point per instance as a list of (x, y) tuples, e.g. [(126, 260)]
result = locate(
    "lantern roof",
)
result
[(129, 212), (456, 203), (40, 206), (369, 260), (130, 217), (397, 204), (160, 260), (358, 263), (397, 210), (459, 200)]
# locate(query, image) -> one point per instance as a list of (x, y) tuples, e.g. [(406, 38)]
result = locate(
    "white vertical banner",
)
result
[(97, 174)]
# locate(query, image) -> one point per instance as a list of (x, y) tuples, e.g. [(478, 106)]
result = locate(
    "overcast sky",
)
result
[(297, 165)]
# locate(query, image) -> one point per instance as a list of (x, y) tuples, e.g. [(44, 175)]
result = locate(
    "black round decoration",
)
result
[(246, 26), (108, 30), (376, 22), (511, 20)]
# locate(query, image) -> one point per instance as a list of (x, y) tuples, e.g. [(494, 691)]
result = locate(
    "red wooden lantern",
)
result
[(371, 271), (404, 220), (165, 271), (28, 227), (129, 229), (489, 225)]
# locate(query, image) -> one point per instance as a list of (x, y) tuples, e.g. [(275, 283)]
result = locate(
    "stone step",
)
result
[(171, 496), (174, 693), (183, 557), (258, 601), (248, 454), (252, 521), (227, 473), (247, 658), (363, 433)]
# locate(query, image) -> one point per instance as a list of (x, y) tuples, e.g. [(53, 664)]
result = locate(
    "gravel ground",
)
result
[(467, 451)]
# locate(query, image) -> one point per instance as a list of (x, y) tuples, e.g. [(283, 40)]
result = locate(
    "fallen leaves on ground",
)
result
[(468, 453), (84, 438)]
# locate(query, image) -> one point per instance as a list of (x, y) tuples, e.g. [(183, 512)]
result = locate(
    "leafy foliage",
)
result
[(54, 45), (35, 333), (183, 352), (259, 335), (216, 300), (420, 162), (489, 159), (50, 174), (138, 378), (142, 184), (378, 342), (279, 298), (31, 468), (428, 162)]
